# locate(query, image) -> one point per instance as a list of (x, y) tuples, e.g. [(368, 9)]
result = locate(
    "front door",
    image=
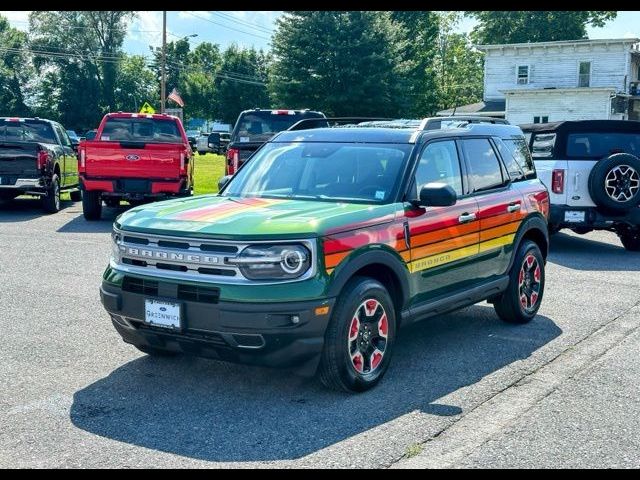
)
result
[(444, 240)]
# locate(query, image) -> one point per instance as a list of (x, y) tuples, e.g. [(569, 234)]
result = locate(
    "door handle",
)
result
[(514, 207), (467, 217)]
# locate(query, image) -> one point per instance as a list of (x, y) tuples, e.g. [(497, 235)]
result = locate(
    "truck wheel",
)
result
[(155, 351), (360, 337), (614, 182), (630, 240), (91, 205), (51, 202), (76, 195), (520, 302)]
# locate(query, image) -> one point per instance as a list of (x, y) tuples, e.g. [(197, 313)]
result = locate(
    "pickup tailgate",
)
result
[(133, 160), (18, 159)]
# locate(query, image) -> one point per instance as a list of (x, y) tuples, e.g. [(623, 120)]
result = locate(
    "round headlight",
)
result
[(273, 262), (292, 261)]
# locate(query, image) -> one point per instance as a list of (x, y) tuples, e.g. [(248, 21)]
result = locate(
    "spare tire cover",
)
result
[(614, 182)]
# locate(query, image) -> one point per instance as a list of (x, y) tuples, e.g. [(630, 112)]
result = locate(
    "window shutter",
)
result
[(531, 70)]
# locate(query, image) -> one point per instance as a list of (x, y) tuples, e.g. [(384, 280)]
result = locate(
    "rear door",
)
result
[(444, 240), (137, 147), (68, 158), (500, 206)]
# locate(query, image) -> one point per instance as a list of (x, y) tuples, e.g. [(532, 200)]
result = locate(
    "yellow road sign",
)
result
[(146, 108)]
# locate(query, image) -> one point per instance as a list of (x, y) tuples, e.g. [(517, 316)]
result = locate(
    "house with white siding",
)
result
[(564, 80)]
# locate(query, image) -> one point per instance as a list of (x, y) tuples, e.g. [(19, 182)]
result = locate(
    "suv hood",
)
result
[(251, 218)]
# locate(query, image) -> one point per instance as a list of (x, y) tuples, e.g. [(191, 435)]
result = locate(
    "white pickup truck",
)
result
[(592, 171)]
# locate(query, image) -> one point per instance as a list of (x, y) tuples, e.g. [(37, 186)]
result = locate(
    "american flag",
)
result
[(175, 96)]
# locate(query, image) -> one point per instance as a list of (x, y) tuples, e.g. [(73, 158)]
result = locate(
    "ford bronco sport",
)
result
[(592, 171), (327, 241)]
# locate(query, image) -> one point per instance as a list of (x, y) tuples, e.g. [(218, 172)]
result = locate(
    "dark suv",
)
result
[(327, 241), (254, 127)]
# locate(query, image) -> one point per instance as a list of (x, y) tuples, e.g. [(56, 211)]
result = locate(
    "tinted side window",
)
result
[(513, 166), (484, 167), (62, 135), (598, 145), (543, 144), (440, 163), (521, 153)]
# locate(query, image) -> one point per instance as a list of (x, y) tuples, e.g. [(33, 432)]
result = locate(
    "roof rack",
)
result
[(435, 123)]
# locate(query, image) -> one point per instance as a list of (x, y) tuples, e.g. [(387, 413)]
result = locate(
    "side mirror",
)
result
[(223, 181), (437, 195)]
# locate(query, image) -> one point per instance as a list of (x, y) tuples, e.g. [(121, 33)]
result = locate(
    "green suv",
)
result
[(328, 241)]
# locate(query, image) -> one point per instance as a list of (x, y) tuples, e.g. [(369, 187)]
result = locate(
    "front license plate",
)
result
[(573, 216), (162, 314)]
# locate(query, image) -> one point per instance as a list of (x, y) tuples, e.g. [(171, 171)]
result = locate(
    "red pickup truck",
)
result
[(134, 157)]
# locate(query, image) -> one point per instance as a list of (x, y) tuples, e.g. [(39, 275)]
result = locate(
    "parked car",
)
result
[(592, 170), (137, 158), (202, 143), (255, 127), (192, 136), (75, 139), (90, 135), (317, 250), (218, 142), (37, 158)]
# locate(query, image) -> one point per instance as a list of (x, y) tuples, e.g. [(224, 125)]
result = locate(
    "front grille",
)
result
[(209, 337), (138, 285)]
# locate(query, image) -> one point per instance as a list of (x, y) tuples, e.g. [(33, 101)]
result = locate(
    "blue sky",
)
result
[(253, 28)]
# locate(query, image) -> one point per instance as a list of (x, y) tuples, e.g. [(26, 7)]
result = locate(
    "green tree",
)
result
[(14, 70), (176, 64), (535, 26), (241, 82), (199, 93), (343, 63), (83, 50), (136, 84)]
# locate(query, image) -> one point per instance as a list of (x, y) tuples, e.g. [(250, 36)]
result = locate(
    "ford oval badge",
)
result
[(132, 157)]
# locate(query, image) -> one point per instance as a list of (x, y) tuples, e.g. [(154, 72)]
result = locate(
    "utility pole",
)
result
[(163, 74)]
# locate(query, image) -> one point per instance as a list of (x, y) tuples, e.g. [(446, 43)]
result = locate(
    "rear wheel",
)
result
[(360, 337), (76, 195), (155, 351), (630, 240), (91, 205), (521, 300), (51, 201)]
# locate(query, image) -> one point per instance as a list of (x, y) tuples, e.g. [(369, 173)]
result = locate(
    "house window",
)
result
[(541, 119), (584, 74), (523, 74)]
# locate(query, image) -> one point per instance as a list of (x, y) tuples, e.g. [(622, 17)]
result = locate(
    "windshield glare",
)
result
[(349, 172)]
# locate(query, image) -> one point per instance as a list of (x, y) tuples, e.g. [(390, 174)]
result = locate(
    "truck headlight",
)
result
[(116, 239), (273, 262)]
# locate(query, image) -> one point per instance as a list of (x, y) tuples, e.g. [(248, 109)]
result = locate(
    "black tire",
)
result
[(509, 306), (76, 195), (155, 351), (51, 201), (620, 173), (630, 240), (112, 202), (91, 205), (337, 370)]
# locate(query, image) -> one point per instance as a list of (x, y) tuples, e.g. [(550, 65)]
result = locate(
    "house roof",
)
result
[(586, 41), (487, 108)]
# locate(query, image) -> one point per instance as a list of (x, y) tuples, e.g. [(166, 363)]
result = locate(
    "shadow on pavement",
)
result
[(584, 253), (214, 411), (79, 224), (25, 209)]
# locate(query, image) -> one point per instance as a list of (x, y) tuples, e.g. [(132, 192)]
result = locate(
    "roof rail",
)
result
[(328, 122), (435, 123)]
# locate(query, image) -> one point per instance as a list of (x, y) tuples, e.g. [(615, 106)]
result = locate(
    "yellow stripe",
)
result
[(458, 254)]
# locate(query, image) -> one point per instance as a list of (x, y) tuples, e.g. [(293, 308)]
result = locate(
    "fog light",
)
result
[(295, 319)]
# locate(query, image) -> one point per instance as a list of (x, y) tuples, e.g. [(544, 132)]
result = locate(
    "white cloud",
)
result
[(147, 27), (630, 35), (17, 19), (187, 15)]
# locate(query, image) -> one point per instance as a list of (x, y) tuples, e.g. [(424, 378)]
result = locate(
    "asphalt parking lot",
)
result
[(74, 395)]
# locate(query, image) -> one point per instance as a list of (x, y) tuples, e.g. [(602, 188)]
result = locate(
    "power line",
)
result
[(227, 16), (227, 26)]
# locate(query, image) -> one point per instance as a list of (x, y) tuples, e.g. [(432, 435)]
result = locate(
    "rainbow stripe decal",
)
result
[(220, 211)]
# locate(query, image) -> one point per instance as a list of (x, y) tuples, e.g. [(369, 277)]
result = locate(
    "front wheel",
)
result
[(521, 300), (360, 337), (91, 205), (51, 201)]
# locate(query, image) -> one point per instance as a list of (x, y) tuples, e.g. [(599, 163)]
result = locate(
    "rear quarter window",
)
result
[(522, 156)]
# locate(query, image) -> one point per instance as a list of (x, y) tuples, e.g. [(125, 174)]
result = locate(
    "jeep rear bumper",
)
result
[(269, 334), (594, 217)]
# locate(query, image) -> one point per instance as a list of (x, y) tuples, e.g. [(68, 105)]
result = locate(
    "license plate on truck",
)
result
[(162, 314), (574, 216)]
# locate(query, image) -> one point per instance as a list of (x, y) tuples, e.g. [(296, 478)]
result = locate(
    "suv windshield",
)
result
[(27, 131), (349, 172), (141, 130), (260, 126)]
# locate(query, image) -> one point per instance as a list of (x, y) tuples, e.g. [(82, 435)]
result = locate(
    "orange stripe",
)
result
[(499, 220), (443, 233), (500, 231), (444, 246), (406, 256), (334, 259)]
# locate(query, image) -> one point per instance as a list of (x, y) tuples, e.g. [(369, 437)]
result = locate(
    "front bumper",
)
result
[(260, 334), (594, 217)]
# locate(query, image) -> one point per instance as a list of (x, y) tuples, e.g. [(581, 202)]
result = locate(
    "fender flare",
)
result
[(372, 257)]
